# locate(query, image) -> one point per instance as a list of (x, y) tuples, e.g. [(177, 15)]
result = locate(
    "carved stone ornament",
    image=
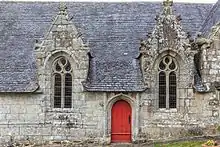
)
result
[(214, 102), (215, 32), (167, 35), (61, 36), (62, 39), (203, 42)]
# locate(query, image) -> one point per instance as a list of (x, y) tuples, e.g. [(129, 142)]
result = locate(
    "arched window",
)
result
[(167, 82), (62, 77)]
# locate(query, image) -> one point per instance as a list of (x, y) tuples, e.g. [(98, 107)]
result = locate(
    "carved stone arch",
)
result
[(178, 59), (120, 96), (58, 53), (48, 78), (135, 108), (181, 65)]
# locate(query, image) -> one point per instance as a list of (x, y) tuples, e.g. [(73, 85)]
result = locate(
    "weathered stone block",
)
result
[(5, 108), (182, 93), (12, 117), (213, 71)]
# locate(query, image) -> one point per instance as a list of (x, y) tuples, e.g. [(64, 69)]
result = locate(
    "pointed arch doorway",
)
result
[(121, 118)]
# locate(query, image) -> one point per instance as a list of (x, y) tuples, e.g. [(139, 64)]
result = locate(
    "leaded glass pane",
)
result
[(162, 66), (62, 83), (172, 90), (167, 60), (68, 66), (68, 91), (167, 83), (57, 91), (58, 68), (172, 66), (63, 61), (162, 90)]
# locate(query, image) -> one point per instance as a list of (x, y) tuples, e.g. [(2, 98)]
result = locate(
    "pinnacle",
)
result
[(62, 8), (167, 4), (62, 17)]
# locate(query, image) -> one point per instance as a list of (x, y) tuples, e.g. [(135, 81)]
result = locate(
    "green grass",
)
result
[(182, 144)]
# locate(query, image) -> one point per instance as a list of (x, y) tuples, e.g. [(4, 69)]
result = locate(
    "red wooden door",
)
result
[(121, 122)]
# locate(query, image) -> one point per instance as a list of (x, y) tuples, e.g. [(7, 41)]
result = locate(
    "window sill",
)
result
[(61, 110), (167, 110)]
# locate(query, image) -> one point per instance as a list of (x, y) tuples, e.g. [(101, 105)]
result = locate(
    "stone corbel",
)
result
[(146, 103), (202, 42), (101, 104), (37, 45), (215, 30), (143, 45)]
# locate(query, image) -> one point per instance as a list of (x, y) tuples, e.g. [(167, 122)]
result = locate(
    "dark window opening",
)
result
[(162, 90), (62, 83), (172, 90), (57, 91), (167, 83), (68, 91)]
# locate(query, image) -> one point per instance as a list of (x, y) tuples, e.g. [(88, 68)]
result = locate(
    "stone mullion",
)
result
[(62, 89), (167, 90), (71, 89), (52, 89)]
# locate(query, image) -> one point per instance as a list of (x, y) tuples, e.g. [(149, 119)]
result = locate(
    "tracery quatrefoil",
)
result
[(62, 65)]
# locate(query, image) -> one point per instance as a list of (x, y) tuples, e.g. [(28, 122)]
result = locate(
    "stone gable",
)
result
[(167, 84)]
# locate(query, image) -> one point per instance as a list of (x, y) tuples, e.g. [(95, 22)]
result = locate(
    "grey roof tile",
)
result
[(113, 31), (212, 19)]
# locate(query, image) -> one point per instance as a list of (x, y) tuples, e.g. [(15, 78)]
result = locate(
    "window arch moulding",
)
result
[(62, 77), (167, 73)]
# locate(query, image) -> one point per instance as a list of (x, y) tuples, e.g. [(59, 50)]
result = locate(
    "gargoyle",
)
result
[(200, 41)]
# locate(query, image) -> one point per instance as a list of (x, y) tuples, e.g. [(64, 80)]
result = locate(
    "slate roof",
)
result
[(212, 19), (113, 31)]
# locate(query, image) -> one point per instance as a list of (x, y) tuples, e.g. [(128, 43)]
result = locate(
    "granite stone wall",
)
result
[(24, 116), (32, 115), (197, 114)]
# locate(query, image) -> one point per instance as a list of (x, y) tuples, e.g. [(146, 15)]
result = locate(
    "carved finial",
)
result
[(156, 18), (167, 4), (178, 18), (62, 9)]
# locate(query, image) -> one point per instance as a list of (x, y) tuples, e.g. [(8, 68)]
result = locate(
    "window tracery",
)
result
[(167, 82), (62, 77)]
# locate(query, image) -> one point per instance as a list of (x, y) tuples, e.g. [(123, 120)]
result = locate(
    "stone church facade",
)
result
[(62, 82)]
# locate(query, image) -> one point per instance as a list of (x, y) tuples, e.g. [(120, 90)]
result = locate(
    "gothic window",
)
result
[(62, 77), (167, 82)]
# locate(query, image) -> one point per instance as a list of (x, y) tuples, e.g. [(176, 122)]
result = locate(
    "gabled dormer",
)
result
[(167, 39), (167, 58), (62, 61)]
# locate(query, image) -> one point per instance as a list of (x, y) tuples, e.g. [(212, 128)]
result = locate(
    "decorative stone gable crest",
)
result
[(167, 35), (62, 38), (61, 34)]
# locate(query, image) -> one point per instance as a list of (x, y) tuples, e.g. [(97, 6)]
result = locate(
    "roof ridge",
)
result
[(209, 16)]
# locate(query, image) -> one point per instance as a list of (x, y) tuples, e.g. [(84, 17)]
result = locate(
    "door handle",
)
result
[(129, 119)]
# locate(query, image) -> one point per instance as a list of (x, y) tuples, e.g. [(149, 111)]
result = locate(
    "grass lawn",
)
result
[(182, 144)]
